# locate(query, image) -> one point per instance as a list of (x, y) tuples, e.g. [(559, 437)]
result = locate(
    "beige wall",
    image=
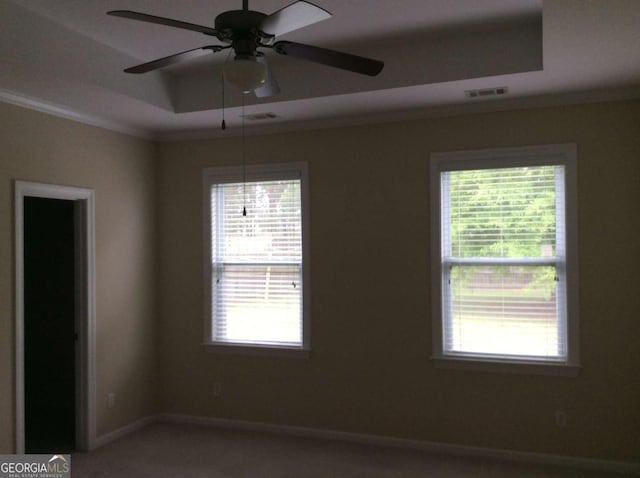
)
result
[(43, 148), (370, 370)]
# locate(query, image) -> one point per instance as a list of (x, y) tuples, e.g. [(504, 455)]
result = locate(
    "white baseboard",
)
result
[(427, 446), (125, 430)]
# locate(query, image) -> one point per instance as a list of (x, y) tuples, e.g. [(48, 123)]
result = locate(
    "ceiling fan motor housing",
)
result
[(241, 28)]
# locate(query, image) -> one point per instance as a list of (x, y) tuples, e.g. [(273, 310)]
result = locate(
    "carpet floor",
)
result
[(187, 451)]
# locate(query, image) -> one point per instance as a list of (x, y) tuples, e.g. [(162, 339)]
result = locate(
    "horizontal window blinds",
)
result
[(257, 263), (503, 262)]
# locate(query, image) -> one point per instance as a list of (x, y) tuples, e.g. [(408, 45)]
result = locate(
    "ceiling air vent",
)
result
[(501, 90), (260, 116)]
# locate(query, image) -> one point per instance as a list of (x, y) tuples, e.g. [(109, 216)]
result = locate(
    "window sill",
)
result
[(257, 350), (506, 366)]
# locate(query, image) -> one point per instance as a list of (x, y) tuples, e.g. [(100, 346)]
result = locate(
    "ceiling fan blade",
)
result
[(170, 60), (143, 17), (297, 15), (345, 61), (270, 87)]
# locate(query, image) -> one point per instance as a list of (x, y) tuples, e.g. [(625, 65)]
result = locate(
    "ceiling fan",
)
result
[(246, 31)]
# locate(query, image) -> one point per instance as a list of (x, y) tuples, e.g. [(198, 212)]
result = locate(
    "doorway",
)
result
[(49, 325), (54, 318)]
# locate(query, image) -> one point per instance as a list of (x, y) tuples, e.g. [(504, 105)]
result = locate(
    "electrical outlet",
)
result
[(111, 400), (561, 418), (217, 389)]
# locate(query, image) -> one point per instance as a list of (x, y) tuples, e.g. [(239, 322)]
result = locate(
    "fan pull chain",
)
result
[(244, 166), (224, 124)]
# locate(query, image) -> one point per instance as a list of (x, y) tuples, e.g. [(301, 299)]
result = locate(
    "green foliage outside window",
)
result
[(504, 213)]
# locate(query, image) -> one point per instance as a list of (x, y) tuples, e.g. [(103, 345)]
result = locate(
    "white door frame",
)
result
[(84, 212)]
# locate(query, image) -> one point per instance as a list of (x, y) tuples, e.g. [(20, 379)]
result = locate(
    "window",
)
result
[(256, 272), (504, 253)]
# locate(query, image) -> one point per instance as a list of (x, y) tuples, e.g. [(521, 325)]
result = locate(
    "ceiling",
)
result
[(67, 56)]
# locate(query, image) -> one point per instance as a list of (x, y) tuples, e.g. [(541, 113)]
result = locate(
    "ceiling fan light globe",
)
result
[(246, 74)]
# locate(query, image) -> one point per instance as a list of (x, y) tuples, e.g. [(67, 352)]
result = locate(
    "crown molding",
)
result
[(18, 99)]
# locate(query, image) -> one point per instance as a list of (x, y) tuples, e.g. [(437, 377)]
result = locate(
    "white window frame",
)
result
[(253, 173), (558, 154)]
